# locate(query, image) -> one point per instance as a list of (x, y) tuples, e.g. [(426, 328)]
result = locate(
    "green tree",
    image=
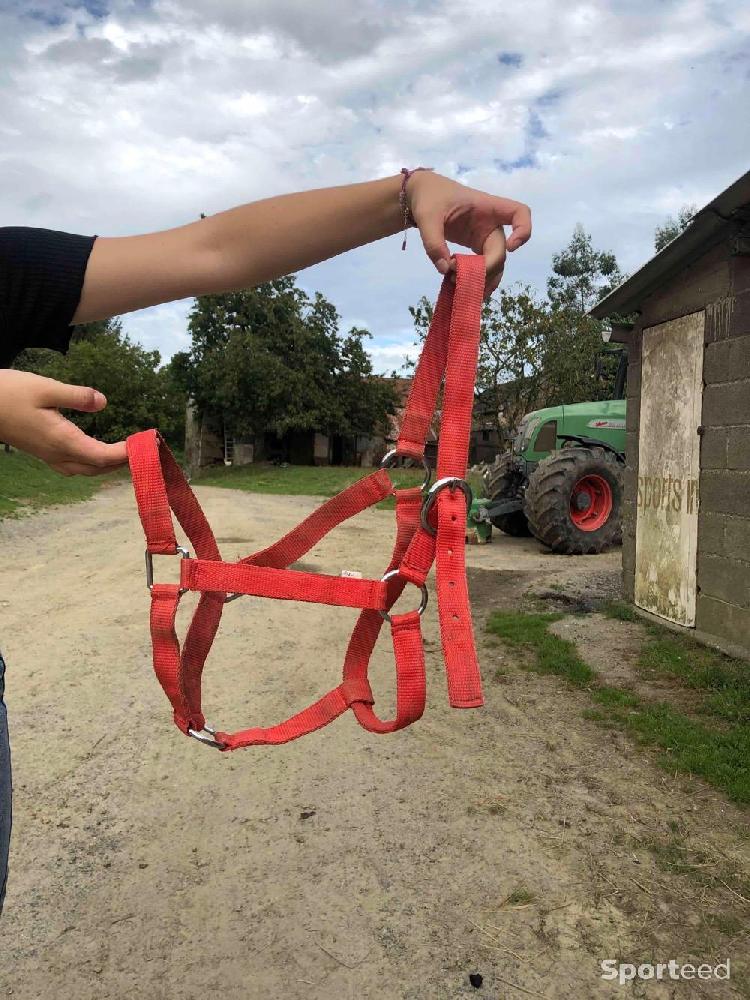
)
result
[(581, 275), (139, 393), (361, 412), (270, 358), (510, 352), (571, 339), (570, 347), (672, 227)]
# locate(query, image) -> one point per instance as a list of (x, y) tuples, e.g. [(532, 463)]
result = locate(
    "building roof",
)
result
[(710, 225)]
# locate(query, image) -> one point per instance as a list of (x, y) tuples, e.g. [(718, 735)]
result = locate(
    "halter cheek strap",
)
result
[(429, 529)]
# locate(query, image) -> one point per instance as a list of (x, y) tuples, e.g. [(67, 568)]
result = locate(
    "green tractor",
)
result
[(562, 479)]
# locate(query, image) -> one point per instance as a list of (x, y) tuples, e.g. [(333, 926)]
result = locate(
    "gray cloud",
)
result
[(101, 57), (143, 115), (91, 51), (333, 31)]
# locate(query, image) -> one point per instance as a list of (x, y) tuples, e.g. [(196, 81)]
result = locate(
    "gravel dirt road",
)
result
[(502, 842)]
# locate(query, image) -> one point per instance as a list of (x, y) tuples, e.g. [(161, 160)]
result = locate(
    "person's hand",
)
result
[(444, 210), (30, 421)]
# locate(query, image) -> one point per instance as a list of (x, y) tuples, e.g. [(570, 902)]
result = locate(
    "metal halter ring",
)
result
[(209, 740), (423, 603), (390, 457), (185, 553), (451, 483)]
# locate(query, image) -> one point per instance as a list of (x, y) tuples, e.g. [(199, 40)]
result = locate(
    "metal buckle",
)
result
[(390, 457), (208, 741), (451, 483), (185, 553), (423, 604)]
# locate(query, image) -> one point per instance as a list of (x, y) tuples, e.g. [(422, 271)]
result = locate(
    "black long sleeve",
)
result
[(41, 277)]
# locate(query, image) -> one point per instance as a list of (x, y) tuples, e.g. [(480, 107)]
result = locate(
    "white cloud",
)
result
[(126, 116)]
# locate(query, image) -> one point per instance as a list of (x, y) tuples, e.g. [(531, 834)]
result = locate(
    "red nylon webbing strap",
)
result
[(419, 557), (410, 697), (159, 484), (328, 708), (282, 584), (461, 367), (167, 660), (200, 636), (420, 407), (459, 650), (282, 553), (351, 501), (454, 609)]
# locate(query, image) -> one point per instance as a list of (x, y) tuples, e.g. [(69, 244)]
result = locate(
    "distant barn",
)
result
[(209, 441)]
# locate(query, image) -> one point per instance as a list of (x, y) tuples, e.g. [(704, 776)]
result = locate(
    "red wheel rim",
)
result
[(591, 503)]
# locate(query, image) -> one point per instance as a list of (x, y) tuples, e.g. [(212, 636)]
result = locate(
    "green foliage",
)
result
[(570, 348), (139, 393), (272, 359), (509, 372), (534, 352), (581, 275), (672, 227)]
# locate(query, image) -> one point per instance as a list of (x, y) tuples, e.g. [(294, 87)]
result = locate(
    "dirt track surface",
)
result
[(343, 865)]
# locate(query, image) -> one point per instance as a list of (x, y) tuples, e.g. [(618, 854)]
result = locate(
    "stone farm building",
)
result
[(686, 545)]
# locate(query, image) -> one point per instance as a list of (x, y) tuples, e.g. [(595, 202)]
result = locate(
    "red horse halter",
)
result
[(430, 528)]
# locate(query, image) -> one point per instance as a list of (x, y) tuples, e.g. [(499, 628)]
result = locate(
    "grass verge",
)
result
[(552, 655), (304, 480), (26, 483), (718, 753), (724, 681)]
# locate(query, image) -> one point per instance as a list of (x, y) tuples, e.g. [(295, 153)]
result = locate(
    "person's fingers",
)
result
[(521, 224), (492, 287), (72, 397), (432, 231), (81, 469), (76, 447), (75, 469), (494, 254)]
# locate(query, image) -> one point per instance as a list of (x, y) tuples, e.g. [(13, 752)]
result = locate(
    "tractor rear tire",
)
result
[(574, 501), (502, 483)]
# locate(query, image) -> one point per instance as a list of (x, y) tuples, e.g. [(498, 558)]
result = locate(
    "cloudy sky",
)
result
[(126, 116)]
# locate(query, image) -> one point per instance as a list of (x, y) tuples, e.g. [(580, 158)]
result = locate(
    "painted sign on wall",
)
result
[(669, 468)]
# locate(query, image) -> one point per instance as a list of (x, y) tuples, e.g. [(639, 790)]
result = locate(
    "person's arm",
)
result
[(237, 249), (244, 246)]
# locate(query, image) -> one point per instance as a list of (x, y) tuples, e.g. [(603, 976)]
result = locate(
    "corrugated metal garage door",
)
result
[(669, 468)]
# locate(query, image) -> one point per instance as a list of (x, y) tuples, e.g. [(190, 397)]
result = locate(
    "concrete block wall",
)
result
[(724, 519)]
